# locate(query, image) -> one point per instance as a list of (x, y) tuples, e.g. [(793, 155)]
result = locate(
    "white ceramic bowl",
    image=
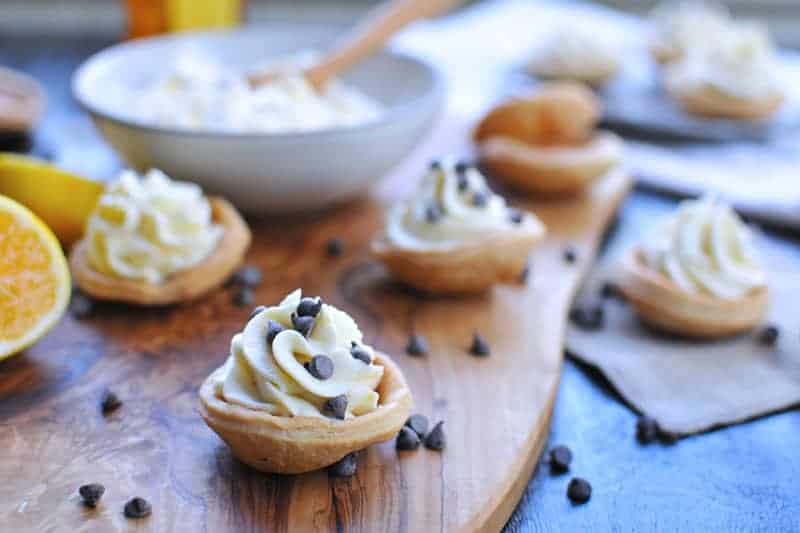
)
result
[(263, 172)]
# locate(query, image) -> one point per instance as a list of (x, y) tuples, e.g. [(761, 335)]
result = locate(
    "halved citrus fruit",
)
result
[(63, 200), (34, 279)]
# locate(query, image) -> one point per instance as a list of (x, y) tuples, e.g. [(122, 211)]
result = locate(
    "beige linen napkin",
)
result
[(693, 386)]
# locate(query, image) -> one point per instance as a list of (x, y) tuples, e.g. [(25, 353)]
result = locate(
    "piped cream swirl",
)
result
[(576, 53), (272, 377), (452, 206), (150, 228), (705, 248)]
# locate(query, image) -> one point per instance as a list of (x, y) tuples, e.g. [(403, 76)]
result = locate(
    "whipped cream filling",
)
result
[(685, 25), (740, 63), (273, 376), (704, 247), (202, 95), (452, 206), (148, 228), (575, 52)]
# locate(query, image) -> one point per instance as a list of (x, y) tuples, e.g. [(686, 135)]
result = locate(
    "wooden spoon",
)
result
[(364, 39), (21, 101)]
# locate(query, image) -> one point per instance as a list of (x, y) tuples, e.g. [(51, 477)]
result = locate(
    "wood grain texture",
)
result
[(496, 409)]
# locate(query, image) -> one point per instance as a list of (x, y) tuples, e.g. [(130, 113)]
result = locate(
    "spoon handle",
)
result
[(367, 37)]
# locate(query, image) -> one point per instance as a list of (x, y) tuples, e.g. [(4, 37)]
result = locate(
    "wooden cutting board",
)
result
[(496, 410)]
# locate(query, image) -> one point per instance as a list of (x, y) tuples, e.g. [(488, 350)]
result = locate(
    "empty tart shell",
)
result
[(550, 169), (293, 445), (499, 257), (664, 305), (556, 113), (182, 286), (712, 103)]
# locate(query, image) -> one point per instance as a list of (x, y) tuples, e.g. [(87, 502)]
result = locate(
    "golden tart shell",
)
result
[(293, 445)]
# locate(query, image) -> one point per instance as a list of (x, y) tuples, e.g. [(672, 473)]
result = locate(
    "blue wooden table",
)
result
[(743, 478)]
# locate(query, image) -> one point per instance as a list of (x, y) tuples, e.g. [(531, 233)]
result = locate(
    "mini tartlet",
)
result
[(456, 236), (575, 53), (300, 390), (698, 276), (154, 241), (545, 142)]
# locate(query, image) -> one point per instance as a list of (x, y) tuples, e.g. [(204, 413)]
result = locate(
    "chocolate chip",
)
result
[(345, 467), (334, 247), (515, 216), (646, 429), (360, 353), (610, 290), (523, 276), (587, 318), (91, 493), (769, 335), (435, 440), (273, 328), (407, 439), (417, 345), (80, 305), (256, 311), (570, 255), (436, 165), (302, 324), (109, 402), (560, 458), (309, 307), (479, 346), (480, 199), (244, 297), (137, 508), (248, 276), (419, 423), (579, 490), (320, 366), (461, 167), (433, 213), (667, 437), (336, 407)]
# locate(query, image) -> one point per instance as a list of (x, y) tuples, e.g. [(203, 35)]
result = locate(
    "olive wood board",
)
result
[(496, 409)]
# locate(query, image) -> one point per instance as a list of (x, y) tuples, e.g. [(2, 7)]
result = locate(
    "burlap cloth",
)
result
[(690, 386)]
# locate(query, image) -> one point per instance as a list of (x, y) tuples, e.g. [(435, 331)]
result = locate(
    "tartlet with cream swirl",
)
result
[(699, 274), (153, 241), (454, 235), (300, 389)]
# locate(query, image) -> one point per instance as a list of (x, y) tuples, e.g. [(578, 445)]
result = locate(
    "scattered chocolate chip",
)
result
[(579, 490), (570, 255), (407, 439), (336, 407), (273, 328), (137, 508), (480, 199), (435, 440), (334, 247), (461, 167), (587, 318), (109, 402), (302, 324), (309, 307), (646, 429), (247, 276), (256, 311), (436, 165), (515, 217), (360, 353), (91, 493), (419, 423), (80, 305), (346, 466), (433, 213), (244, 297), (417, 345), (560, 458), (523, 276), (479, 346), (769, 336), (320, 366)]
